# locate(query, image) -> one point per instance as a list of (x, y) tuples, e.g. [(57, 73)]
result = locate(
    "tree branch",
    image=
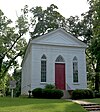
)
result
[(1, 60), (11, 61), (91, 60), (13, 44), (4, 54)]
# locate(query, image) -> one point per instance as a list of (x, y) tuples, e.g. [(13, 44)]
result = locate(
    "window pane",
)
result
[(75, 77), (43, 57), (75, 66), (59, 59), (43, 70), (75, 58), (75, 71)]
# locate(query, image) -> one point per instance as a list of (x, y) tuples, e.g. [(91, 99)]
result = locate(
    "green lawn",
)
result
[(38, 105), (94, 100)]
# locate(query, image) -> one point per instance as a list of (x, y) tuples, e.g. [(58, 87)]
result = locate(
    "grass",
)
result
[(38, 105), (94, 100)]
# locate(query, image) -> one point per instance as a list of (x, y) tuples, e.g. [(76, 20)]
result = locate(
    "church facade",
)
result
[(56, 58)]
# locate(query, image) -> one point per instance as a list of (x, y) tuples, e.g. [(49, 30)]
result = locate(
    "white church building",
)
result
[(56, 58)]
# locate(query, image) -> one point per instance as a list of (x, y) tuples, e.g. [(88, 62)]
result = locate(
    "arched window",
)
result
[(60, 59), (43, 68), (75, 70), (43, 57)]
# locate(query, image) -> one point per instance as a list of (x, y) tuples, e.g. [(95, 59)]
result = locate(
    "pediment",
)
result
[(59, 37)]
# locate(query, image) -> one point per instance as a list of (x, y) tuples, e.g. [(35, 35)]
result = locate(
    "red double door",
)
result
[(60, 76)]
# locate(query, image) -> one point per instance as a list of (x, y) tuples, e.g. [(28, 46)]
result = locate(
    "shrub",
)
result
[(91, 94), (52, 93), (47, 93), (18, 93), (50, 86), (8, 92), (37, 93), (57, 94), (82, 94), (97, 94)]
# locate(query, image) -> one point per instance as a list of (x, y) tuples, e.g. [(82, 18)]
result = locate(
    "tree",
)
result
[(95, 41), (92, 26), (86, 32), (12, 43), (17, 78), (44, 21)]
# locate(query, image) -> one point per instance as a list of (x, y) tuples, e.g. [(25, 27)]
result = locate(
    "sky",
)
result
[(67, 8)]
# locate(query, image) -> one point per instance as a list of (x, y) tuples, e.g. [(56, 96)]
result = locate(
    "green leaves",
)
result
[(42, 21), (12, 43), (22, 25), (94, 46)]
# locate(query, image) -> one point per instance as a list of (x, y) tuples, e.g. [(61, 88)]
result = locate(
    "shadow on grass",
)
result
[(93, 100), (8, 102), (75, 108), (38, 105)]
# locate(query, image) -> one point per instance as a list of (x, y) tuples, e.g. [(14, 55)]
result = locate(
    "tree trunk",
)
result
[(1, 60), (97, 76), (97, 81)]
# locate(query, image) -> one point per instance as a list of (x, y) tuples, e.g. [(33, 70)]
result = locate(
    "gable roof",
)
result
[(59, 37)]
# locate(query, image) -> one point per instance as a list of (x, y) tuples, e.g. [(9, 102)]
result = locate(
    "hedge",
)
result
[(82, 94), (37, 93), (97, 94), (47, 93)]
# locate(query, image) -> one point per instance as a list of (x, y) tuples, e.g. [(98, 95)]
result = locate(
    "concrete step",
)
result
[(90, 104), (66, 94), (91, 107), (96, 106)]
